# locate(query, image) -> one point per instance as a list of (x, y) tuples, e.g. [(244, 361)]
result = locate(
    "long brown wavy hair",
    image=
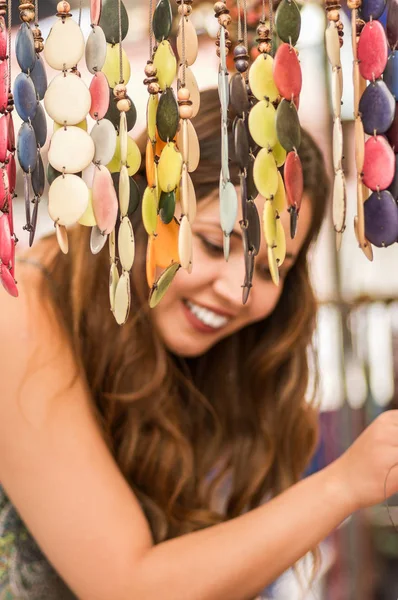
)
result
[(180, 427)]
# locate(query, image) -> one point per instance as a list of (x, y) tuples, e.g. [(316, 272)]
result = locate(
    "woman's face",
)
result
[(205, 306)]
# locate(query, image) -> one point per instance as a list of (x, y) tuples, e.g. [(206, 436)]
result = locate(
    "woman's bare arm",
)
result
[(62, 479)]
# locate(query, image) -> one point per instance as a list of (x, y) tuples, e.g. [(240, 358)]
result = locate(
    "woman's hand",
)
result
[(363, 468)]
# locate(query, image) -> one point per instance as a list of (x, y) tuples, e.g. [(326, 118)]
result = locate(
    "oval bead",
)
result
[(95, 11), (113, 115), (122, 299), (166, 64), (337, 92), (392, 133), (3, 137), (192, 85), (149, 210), (4, 86), (113, 281), (262, 124), (377, 108), (169, 168), (151, 111), (287, 72), (109, 21), (394, 184), (337, 144), (359, 144), (191, 41), (95, 50), (241, 142), (27, 148), (67, 99), (167, 205), (228, 206), (339, 201), (185, 243), (123, 189), (162, 20), (333, 44), (166, 243), (167, 115), (11, 172), (390, 75), (381, 219), (379, 163), (11, 133), (279, 200), (288, 21), (133, 157), (4, 187), (97, 240), (105, 204), (162, 285), (253, 227), (25, 48), (88, 218), (188, 144), (288, 128), (280, 244), (392, 23), (265, 173), (39, 77), (99, 91), (5, 240), (104, 137), (279, 154), (71, 150), (126, 244), (111, 66), (3, 39), (62, 238), (64, 46), (294, 183), (269, 223), (372, 9), (52, 174), (238, 94), (372, 51), (8, 281), (38, 178), (39, 124), (25, 97), (67, 199)]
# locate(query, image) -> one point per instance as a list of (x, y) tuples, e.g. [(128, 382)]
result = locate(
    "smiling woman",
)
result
[(188, 416)]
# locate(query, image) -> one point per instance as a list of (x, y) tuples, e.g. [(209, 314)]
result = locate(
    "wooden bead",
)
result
[(123, 105), (264, 47), (150, 69), (183, 94), (63, 7), (185, 10), (219, 8), (360, 24), (340, 26), (154, 88), (224, 20), (27, 16), (120, 91), (186, 111), (262, 31), (354, 4), (333, 15)]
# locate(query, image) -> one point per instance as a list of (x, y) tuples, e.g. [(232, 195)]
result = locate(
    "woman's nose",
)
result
[(230, 279)]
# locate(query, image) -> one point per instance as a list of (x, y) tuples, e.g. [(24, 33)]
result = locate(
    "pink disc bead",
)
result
[(379, 163), (10, 214), (372, 50), (4, 191), (3, 138), (11, 172), (3, 85), (5, 240), (287, 72), (294, 183), (11, 133), (99, 90), (95, 11), (7, 279), (105, 202), (3, 39)]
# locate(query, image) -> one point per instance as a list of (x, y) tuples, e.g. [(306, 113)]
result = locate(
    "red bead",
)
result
[(11, 133), (95, 11), (3, 39), (379, 163), (99, 90), (5, 240), (4, 192), (294, 183), (3, 85), (3, 137), (372, 50), (287, 72), (11, 172), (8, 281)]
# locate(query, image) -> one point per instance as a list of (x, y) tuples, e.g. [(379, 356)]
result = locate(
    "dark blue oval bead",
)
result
[(372, 8), (25, 48), (390, 75), (27, 148), (394, 186), (40, 125), (38, 177), (39, 78), (377, 107), (381, 219), (25, 97)]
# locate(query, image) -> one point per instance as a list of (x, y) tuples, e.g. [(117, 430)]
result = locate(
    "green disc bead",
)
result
[(288, 126), (162, 20), (150, 210), (261, 79), (262, 124), (167, 205), (265, 173), (169, 168), (166, 64), (288, 21), (167, 115), (109, 21), (162, 284)]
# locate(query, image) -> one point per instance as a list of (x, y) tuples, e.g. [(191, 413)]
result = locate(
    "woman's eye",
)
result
[(210, 247)]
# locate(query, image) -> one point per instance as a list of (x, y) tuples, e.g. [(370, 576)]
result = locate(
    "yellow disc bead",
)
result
[(111, 68), (262, 124), (265, 173), (261, 79), (166, 64), (169, 168)]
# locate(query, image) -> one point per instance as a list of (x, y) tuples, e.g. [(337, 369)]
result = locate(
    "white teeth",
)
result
[(208, 317)]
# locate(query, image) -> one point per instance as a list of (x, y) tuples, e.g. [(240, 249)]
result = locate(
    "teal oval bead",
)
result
[(25, 48), (167, 115), (39, 124), (167, 204), (288, 21), (39, 77), (288, 128), (27, 148), (109, 21), (38, 177), (25, 97), (162, 20)]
